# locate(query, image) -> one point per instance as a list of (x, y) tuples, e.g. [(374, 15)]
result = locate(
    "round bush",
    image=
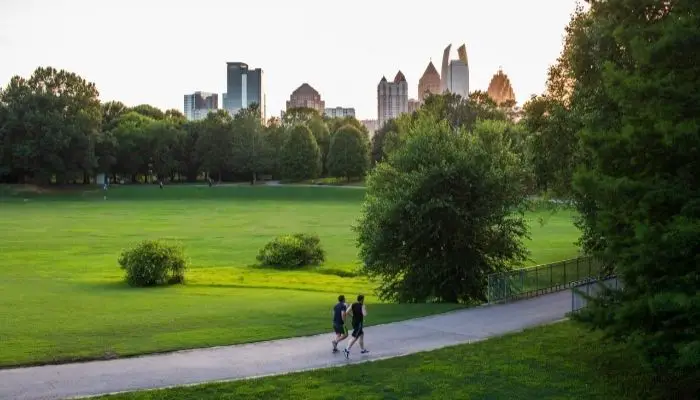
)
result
[(153, 262), (292, 251)]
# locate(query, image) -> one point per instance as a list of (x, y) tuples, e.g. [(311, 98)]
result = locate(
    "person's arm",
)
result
[(344, 313), (364, 311)]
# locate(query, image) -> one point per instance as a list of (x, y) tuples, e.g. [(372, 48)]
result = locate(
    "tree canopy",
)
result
[(348, 156), (442, 212), (631, 76), (301, 157)]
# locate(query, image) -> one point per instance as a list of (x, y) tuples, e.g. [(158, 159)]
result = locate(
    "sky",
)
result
[(155, 51)]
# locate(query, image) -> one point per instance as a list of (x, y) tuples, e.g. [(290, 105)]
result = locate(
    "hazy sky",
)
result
[(155, 51)]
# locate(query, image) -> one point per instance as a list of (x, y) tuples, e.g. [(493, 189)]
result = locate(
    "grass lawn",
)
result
[(560, 361), (62, 293)]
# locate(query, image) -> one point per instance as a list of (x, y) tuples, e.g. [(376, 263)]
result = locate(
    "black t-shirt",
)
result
[(338, 313), (357, 316)]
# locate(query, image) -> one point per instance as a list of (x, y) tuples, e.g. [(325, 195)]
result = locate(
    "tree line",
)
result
[(54, 129), (618, 131)]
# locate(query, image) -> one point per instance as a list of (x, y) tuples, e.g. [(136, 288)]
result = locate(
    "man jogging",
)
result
[(358, 312), (341, 332)]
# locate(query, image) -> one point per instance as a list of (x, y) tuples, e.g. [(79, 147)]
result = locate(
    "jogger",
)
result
[(339, 312), (358, 312)]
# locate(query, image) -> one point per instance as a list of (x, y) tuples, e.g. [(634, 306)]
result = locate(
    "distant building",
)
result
[(306, 97), (199, 104), (371, 125), (429, 83), (244, 87), (392, 98), (455, 73), (500, 89), (340, 112), (413, 105)]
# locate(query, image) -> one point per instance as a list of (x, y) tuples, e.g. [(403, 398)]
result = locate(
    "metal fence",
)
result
[(592, 288), (541, 279)]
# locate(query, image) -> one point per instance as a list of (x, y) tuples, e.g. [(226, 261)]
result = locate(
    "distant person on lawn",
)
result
[(358, 312), (341, 332)]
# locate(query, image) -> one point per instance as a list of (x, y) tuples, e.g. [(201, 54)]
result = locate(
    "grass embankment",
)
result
[(560, 361), (62, 292)]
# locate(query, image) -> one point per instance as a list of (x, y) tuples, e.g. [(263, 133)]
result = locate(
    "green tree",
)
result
[(336, 123), (299, 115), (215, 144), (348, 156), (111, 111), (251, 154), (443, 212), (165, 137), (301, 157), (553, 143), (134, 147), (322, 135), (148, 110), (379, 139), (639, 105), (51, 124), (190, 164), (275, 136)]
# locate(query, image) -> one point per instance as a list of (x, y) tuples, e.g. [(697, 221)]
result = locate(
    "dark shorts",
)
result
[(357, 330), (340, 329)]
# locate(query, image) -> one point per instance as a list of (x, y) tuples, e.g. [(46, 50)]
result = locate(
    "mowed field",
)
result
[(62, 292)]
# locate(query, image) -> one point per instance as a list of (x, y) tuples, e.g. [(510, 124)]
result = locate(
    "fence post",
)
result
[(488, 289), (589, 268), (578, 276), (566, 282), (551, 275), (537, 280)]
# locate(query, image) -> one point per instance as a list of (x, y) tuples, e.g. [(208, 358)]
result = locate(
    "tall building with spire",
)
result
[(500, 89), (455, 73), (429, 83), (392, 99)]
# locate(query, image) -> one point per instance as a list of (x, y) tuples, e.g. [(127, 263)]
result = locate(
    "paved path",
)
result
[(279, 356)]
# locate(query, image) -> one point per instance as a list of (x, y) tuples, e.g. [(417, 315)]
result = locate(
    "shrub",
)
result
[(292, 251), (153, 262)]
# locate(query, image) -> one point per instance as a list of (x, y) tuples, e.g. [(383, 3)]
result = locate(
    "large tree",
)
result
[(186, 150), (215, 144), (134, 147), (251, 154), (165, 137), (301, 157), (639, 103), (442, 212), (319, 129), (553, 143), (52, 122), (348, 156)]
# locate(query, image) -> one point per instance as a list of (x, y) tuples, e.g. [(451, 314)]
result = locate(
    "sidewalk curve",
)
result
[(278, 356)]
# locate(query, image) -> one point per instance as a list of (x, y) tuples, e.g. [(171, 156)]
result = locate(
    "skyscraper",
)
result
[(500, 89), (455, 73), (392, 98), (307, 97), (429, 83), (199, 104), (244, 87)]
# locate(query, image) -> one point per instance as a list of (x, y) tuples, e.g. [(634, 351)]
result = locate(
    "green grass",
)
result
[(560, 361), (62, 291)]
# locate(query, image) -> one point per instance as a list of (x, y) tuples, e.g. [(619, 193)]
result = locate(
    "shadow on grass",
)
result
[(342, 273)]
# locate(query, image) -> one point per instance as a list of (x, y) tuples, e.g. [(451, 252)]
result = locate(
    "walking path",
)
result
[(279, 356)]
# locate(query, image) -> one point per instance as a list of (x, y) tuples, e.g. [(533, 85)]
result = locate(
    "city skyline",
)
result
[(155, 60)]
